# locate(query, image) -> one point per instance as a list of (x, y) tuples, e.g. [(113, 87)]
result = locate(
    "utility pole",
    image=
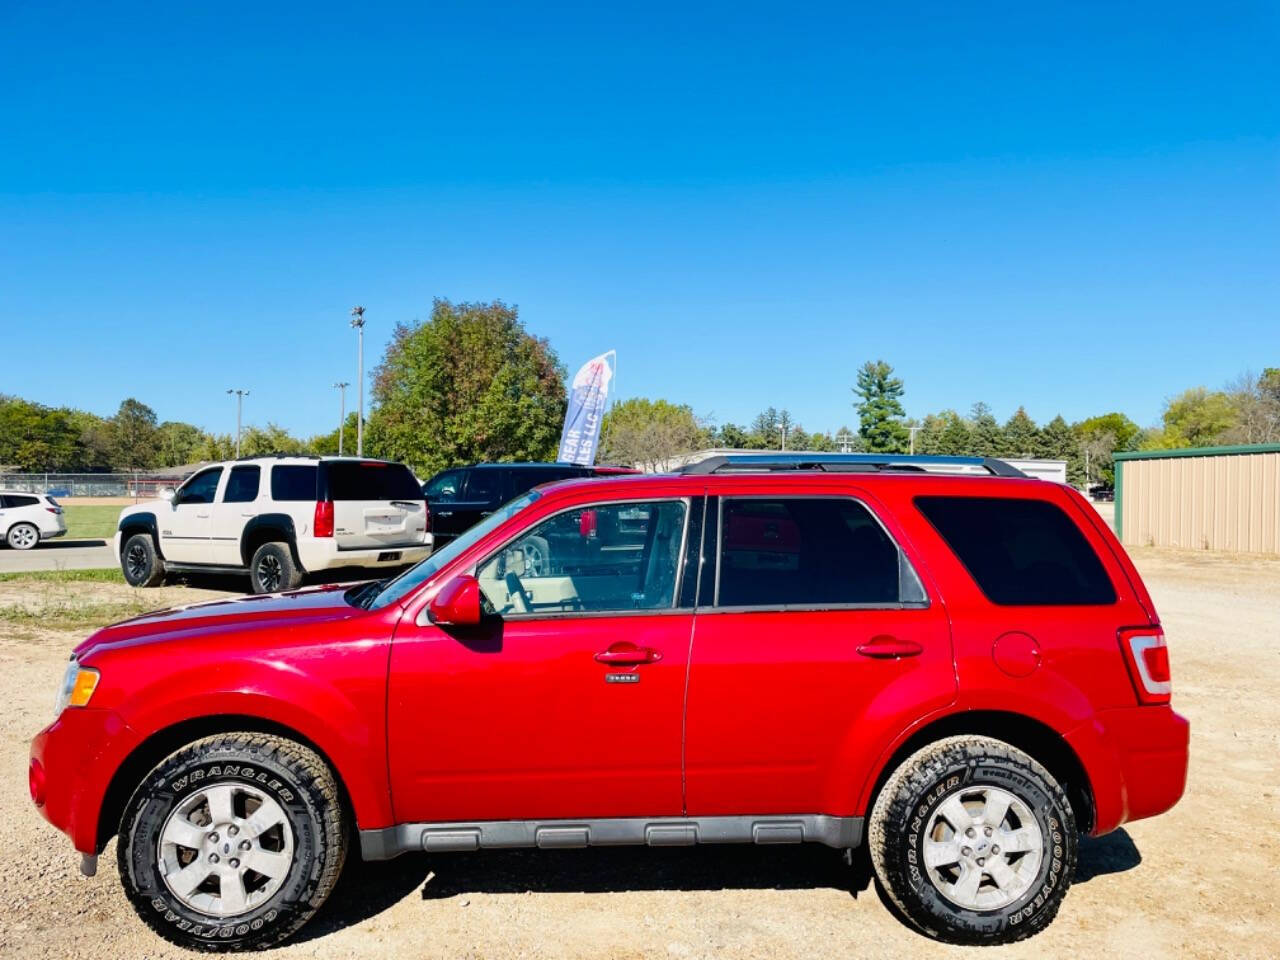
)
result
[(357, 321), (913, 438), (240, 395), (342, 412)]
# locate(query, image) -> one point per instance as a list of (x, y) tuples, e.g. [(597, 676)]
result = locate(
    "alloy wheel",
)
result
[(225, 850), (983, 848)]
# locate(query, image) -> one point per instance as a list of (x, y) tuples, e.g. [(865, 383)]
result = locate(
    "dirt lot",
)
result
[(1198, 881)]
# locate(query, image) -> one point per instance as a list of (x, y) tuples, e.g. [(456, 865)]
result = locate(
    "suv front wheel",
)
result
[(272, 569), (974, 841), (140, 561), (233, 842)]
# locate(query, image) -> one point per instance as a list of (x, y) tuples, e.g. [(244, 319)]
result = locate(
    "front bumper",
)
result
[(71, 766), (1136, 759)]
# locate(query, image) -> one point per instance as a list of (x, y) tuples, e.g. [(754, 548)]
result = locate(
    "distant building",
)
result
[(1206, 498)]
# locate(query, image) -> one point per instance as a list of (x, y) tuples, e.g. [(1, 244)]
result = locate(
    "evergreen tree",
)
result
[(1020, 436), (880, 410), (986, 439)]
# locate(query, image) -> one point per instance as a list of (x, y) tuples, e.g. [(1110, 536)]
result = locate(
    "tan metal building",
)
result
[(1207, 498)]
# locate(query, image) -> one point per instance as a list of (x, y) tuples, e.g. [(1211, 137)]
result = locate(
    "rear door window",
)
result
[(17, 500), (293, 482), (809, 552), (242, 485), (483, 486), (371, 480), (1020, 552)]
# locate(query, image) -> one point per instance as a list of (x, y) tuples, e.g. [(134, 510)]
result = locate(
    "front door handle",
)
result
[(628, 655), (885, 647)]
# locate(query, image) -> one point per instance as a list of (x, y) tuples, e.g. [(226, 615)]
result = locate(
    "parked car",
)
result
[(461, 497), (963, 673), (277, 518), (28, 518)]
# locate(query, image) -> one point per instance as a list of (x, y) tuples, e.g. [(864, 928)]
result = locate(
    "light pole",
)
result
[(342, 412), (357, 321), (240, 395), (913, 438)]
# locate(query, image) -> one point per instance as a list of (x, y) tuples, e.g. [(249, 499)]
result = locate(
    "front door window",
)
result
[(605, 558)]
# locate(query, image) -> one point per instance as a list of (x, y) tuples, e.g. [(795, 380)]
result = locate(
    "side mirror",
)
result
[(457, 603), (168, 493)]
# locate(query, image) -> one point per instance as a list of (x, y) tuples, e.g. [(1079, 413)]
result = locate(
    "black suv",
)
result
[(461, 496)]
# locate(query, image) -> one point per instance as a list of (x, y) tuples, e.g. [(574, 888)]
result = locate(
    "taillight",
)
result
[(588, 524), (323, 525), (1147, 656)]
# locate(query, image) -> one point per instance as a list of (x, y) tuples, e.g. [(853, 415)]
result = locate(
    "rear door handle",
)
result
[(628, 655), (885, 647)]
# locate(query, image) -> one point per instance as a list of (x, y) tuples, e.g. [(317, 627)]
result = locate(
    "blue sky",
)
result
[(1074, 207)]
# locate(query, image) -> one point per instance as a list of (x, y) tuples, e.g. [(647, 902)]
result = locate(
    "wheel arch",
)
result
[(136, 523), (160, 744), (1034, 737), (269, 528)]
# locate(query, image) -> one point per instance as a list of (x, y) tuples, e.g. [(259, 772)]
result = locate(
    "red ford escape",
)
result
[(964, 672)]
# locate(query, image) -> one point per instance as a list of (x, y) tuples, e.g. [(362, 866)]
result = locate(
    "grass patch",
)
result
[(91, 521), (111, 575), (70, 614)]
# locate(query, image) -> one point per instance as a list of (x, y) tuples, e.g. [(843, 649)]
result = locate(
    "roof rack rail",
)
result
[(850, 463)]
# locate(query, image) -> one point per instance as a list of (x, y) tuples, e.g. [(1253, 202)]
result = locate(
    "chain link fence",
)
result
[(139, 485)]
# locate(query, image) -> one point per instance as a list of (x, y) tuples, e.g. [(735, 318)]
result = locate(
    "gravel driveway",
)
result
[(1198, 881)]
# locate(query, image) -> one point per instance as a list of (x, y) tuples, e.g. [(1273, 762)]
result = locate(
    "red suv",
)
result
[(964, 673)]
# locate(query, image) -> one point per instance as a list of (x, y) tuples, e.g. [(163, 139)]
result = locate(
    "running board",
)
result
[(388, 842)]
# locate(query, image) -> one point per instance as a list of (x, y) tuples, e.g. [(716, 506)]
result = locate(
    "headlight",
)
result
[(78, 684)]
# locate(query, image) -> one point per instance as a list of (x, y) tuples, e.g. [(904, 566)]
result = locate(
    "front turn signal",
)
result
[(77, 687)]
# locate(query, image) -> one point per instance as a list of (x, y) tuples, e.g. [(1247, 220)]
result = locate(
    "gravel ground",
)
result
[(1198, 881)]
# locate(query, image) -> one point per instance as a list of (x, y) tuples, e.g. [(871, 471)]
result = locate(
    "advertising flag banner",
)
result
[(587, 396)]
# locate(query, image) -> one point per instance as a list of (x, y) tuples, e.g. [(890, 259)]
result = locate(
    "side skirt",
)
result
[(388, 842)]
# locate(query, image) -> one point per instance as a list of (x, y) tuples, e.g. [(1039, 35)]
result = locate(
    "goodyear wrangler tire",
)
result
[(233, 842), (973, 841)]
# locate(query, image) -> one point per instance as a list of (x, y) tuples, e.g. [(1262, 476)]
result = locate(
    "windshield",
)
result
[(415, 576)]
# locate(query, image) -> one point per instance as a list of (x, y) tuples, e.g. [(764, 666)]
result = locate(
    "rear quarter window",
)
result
[(1020, 552), (293, 482), (371, 480)]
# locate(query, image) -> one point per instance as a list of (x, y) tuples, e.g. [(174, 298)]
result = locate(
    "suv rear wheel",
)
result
[(974, 841), (272, 568), (233, 842), (23, 536), (140, 562)]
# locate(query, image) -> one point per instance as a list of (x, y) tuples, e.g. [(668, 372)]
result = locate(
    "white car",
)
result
[(278, 518), (28, 518)]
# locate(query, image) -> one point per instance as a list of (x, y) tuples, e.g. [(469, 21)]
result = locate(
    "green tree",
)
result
[(1058, 442), (178, 443), (880, 410), (730, 436), (469, 384), (1020, 436), (133, 436), (35, 438), (273, 438), (766, 430), (326, 444), (1100, 437), (649, 434), (984, 431), (1197, 418)]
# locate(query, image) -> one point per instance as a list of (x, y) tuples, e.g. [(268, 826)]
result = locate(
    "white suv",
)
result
[(28, 518), (278, 518)]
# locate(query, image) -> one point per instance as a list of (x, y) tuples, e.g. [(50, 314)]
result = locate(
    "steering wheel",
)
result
[(520, 598)]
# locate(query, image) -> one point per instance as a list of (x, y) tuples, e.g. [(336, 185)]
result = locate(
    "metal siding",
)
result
[(1229, 502)]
